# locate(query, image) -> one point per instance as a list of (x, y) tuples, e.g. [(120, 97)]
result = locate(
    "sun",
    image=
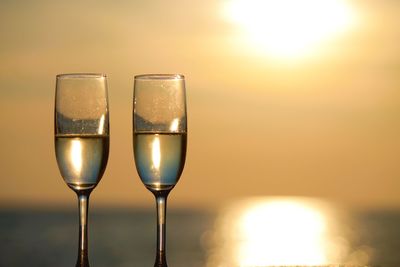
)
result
[(290, 28)]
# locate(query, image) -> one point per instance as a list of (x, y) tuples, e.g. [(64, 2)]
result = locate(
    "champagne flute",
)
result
[(159, 138), (81, 140)]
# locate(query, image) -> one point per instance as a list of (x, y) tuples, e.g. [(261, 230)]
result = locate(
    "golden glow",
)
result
[(76, 156), (156, 154), (281, 233), (290, 28)]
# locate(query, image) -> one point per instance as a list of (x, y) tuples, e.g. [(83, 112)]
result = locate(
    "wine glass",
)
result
[(81, 140), (159, 138)]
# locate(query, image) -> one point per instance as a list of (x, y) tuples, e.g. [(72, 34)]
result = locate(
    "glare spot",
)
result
[(76, 156), (174, 125), (101, 124), (156, 154)]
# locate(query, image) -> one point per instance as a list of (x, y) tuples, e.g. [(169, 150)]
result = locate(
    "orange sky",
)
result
[(325, 125)]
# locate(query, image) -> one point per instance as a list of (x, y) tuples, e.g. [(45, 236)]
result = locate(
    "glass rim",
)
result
[(159, 77), (80, 75)]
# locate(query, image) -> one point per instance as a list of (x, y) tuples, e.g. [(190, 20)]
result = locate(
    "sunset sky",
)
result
[(300, 98)]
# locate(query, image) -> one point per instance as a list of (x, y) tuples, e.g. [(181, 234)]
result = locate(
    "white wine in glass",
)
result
[(82, 159), (81, 128), (159, 138), (160, 158)]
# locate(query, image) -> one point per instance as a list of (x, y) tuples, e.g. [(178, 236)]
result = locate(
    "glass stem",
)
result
[(161, 205), (83, 202)]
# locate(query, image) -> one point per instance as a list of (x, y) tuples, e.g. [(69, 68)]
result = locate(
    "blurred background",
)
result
[(285, 98)]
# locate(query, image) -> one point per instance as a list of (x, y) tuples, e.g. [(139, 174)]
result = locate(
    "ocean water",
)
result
[(116, 237), (126, 237)]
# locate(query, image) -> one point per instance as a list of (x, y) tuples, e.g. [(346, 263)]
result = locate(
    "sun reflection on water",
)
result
[(280, 232)]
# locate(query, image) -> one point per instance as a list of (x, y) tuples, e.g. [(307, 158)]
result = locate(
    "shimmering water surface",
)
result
[(250, 232)]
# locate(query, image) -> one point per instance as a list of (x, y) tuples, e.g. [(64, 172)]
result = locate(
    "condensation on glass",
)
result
[(160, 110), (81, 99)]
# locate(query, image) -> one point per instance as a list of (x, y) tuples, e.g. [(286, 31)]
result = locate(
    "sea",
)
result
[(262, 234), (117, 237)]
